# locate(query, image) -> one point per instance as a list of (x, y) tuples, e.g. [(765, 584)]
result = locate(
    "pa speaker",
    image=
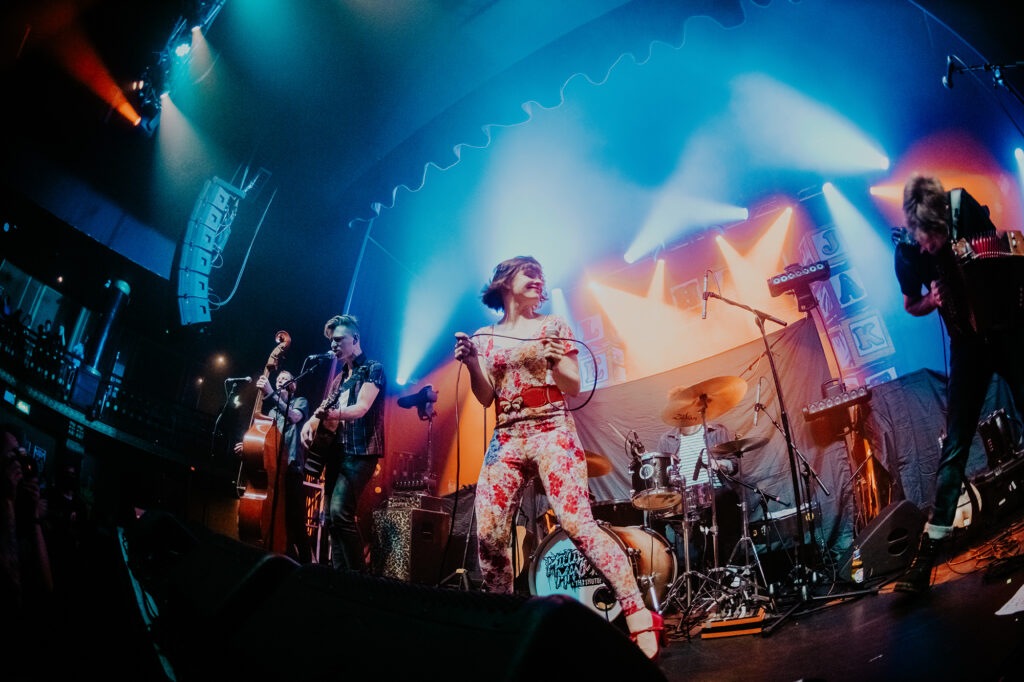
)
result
[(889, 541), (193, 284), (321, 618), (193, 309), (195, 259)]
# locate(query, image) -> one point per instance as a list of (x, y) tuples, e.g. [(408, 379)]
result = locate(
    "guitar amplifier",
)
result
[(407, 500), (409, 544)]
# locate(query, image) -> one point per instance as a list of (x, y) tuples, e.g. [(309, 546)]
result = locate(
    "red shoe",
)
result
[(658, 628)]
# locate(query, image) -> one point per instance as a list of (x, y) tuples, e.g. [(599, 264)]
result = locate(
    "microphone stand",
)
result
[(806, 471), (801, 574), (291, 384), (760, 317), (239, 487), (996, 70)]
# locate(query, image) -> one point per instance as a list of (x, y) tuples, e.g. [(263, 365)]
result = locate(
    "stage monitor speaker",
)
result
[(321, 619), (889, 541), (202, 584)]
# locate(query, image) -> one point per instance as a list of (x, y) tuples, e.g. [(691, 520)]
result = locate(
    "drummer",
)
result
[(692, 464)]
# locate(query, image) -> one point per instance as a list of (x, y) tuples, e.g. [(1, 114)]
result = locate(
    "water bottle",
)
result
[(856, 566)]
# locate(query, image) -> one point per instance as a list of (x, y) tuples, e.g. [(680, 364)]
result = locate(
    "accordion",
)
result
[(988, 290)]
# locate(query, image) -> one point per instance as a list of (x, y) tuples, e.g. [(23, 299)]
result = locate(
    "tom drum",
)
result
[(655, 483)]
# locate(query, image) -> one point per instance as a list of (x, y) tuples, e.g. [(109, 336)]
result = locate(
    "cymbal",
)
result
[(737, 447), (714, 397), (597, 464)]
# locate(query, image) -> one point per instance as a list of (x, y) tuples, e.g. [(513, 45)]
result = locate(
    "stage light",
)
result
[(797, 276), (182, 49), (820, 408)]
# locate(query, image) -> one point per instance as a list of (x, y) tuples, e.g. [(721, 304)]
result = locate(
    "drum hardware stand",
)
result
[(685, 577), (745, 540), (707, 467), (672, 597)]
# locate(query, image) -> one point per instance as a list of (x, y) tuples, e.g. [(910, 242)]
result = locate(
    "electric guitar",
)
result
[(324, 433)]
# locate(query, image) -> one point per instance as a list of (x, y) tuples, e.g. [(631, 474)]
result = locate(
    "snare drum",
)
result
[(696, 498), (558, 567), (655, 483)]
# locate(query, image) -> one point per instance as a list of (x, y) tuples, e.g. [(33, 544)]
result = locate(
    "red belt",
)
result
[(532, 396)]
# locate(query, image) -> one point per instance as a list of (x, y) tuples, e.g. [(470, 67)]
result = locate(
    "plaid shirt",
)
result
[(363, 436)]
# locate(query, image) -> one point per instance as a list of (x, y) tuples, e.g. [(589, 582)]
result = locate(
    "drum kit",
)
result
[(660, 492)]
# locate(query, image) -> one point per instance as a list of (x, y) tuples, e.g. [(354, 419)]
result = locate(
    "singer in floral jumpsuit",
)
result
[(524, 364)]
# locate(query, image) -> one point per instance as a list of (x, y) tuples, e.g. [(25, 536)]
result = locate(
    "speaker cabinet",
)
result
[(193, 309), (409, 544), (889, 541), (1001, 491)]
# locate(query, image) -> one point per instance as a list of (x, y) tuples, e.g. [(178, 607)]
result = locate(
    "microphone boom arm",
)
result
[(761, 315)]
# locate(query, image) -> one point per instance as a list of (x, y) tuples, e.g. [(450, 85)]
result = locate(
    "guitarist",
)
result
[(287, 411), (351, 424)]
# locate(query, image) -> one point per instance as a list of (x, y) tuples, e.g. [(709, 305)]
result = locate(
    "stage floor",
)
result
[(970, 626)]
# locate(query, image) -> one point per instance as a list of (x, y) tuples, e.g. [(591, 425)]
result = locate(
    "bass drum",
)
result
[(617, 513), (558, 567)]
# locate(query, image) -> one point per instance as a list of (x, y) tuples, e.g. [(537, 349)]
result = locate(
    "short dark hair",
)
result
[(491, 294)]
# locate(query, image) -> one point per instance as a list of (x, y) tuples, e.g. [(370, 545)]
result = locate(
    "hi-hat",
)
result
[(736, 448), (597, 464), (711, 398)]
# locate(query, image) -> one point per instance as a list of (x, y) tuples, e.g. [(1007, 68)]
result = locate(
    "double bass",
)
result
[(260, 507)]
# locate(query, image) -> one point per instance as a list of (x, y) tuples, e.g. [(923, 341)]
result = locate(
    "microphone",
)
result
[(238, 380), (320, 357), (700, 463), (947, 80), (704, 304), (638, 447), (757, 401)]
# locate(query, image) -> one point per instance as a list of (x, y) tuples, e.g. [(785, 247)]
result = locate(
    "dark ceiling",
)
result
[(342, 102)]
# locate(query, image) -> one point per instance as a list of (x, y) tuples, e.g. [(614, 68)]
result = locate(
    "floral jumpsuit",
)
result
[(535, 434)]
